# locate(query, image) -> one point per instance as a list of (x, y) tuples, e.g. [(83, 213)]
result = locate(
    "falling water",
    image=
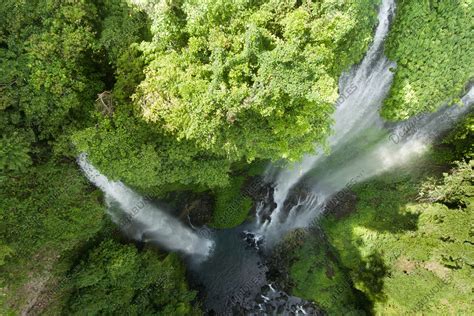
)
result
[(357, 125), (396, 149), (143, 220), (361, 147), (364, 87)]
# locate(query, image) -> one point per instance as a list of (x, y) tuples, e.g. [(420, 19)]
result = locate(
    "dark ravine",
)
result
[(259, 277)]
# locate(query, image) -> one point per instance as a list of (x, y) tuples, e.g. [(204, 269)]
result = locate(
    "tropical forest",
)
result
[(236, 157)]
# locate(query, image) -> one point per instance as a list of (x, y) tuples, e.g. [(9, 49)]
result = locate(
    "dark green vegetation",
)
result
[(405, 248), (117, 279), (69, 77), (232, 206), (184, 95)]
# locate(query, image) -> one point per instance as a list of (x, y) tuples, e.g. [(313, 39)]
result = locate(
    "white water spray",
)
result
[(365, 87), (355, 118), (383, 156), (146, 222)]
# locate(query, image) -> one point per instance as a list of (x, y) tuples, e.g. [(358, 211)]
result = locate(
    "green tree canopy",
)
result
[(222, 82), (117, 279), (431, 41), (47, 76), (249, 79)]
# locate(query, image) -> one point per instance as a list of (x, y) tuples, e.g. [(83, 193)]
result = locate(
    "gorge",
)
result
[(219, 258)]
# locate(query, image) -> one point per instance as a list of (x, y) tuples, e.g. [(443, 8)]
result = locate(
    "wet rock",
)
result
[(283, 256), (192, 208), (272, 301), (253, 240), (199, 211), (341, 204), (262, 195), (255, 188), (297, 195)]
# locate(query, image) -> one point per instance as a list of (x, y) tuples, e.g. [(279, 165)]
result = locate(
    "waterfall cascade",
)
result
[(357, 125), (143, 220), (356, 118), (364, 88)]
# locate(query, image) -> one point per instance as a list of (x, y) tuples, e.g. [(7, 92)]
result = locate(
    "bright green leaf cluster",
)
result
[(249, 79), (117, 279), (431, 41)]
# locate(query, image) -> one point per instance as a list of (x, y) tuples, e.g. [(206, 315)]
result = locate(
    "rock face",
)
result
[(341, 204), (263, 291), (256, 188), (199, 210), (192, 208), (282, 257), (262, 195)]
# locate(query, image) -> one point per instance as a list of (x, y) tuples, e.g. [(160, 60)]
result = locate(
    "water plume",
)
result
[(364, 87), (361, 145), (142, 219)]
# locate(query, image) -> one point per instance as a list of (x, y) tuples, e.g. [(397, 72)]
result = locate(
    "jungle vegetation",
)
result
[(187, 95)]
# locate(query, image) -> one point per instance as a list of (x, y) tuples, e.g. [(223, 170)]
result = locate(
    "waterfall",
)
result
[(408, 140), (357, 123), (363, 89), (143, 220)]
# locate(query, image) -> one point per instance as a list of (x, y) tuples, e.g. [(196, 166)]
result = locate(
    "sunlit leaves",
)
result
[(116, 278), (253, 78), (431, 41)]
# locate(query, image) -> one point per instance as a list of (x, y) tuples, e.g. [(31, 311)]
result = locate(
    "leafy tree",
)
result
[(47, 212), (461, 138), (249, 79), (47, 206), (121, 24), (47, 76), (14, 153), (133, 151), (405, 254), (456, 189), (431, 43), (117, 279), (253, 88)]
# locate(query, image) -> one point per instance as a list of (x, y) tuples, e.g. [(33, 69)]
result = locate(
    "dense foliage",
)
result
[(431, 41), (225, 82), (117, 279), (232, 206), (55, 57), (48, 78), (250, 79), (47, 213), (406, 247), (175, 95)]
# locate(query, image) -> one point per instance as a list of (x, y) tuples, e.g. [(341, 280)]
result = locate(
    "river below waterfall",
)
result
[(235, 280)]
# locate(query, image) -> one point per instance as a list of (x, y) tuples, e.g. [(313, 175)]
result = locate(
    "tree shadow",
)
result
[(371, 273), (381, 208)]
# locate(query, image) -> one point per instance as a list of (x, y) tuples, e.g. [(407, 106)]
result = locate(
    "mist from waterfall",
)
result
[(362, 145), (386, 152), (142, 219), (357, 125), (364, 86)]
